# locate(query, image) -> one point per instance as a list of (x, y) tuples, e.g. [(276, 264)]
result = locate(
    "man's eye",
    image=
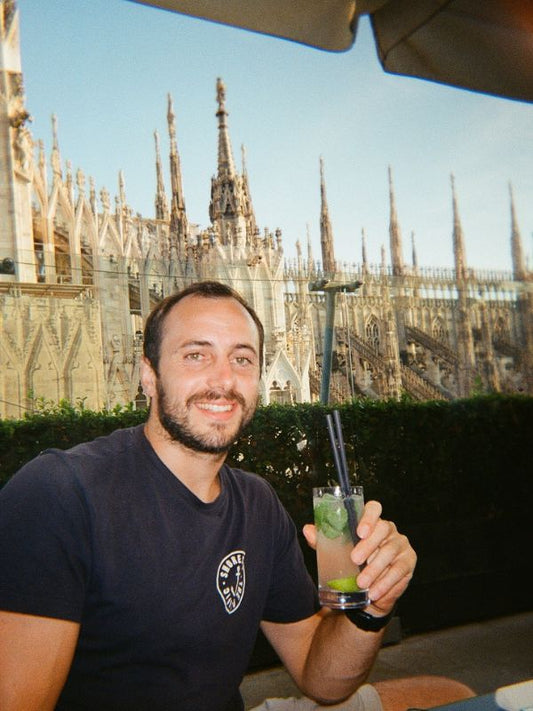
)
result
[(193, 356), (243, 360)]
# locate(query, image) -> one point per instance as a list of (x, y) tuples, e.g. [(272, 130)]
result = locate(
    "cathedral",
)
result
[(80, 270)]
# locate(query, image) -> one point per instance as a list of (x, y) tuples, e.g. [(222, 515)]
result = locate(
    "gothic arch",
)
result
[(61, 223), (80, 372), (373, 332), (42, 374), (59, 204), (109, 240), (143, 237), (439, 330), (86, 232), (281, 382)]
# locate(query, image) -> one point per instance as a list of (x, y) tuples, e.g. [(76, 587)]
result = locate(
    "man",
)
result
[(136, 570)]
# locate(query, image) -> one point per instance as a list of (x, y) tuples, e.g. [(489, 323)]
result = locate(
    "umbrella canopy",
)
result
[(482, 45)]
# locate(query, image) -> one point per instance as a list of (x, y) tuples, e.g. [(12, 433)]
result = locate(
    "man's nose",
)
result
[(221, 373)]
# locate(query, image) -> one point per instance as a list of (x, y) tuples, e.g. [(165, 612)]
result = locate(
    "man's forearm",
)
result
[(339, 659)]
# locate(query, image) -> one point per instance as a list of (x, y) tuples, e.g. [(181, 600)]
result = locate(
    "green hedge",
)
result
[(455, 477), (60, 426)]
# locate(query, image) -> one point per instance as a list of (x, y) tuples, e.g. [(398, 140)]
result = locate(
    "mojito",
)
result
[(336, 517)]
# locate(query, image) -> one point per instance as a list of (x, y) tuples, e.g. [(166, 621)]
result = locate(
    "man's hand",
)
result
[(390, 559), (326, 654)]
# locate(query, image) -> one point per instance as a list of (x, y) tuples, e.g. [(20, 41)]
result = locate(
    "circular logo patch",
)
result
[(231, 579)]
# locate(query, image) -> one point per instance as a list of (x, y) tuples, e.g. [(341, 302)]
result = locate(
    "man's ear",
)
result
[(148, 377)]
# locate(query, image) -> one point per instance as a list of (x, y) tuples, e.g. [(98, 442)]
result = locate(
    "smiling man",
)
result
[(137, 569), (202, 364)]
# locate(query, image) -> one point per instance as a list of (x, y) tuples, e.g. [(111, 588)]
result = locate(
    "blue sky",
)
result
[(105, 67)]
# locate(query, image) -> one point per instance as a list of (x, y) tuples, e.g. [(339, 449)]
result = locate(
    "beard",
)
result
[(175, 421)]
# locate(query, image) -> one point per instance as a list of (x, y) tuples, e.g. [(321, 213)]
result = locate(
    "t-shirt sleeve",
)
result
[(44, 542), (292, 592)]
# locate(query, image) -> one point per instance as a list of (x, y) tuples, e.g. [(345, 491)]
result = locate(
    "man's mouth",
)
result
[(217, 402), (212, 407)]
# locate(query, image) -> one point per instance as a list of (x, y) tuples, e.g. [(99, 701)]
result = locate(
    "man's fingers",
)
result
[(309, 531), (368, 520)]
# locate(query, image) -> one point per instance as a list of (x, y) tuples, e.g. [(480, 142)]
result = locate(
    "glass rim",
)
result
[(336, 490)]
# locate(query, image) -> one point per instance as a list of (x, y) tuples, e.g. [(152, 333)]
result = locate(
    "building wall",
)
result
[(88, 269), (51, 349)]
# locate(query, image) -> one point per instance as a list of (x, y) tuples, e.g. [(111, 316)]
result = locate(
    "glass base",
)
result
[(343, 600)]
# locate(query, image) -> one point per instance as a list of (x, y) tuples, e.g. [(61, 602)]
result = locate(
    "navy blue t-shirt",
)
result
[(169, 591)]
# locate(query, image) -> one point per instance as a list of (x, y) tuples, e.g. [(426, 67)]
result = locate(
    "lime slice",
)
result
[(346, 585)]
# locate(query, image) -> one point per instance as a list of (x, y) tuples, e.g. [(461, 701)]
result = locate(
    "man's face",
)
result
[(207, 389)]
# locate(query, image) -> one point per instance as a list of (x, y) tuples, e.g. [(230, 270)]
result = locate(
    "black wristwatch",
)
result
[(368, 622)]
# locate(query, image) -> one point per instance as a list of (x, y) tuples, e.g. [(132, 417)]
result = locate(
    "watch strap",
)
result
[(367, 622)]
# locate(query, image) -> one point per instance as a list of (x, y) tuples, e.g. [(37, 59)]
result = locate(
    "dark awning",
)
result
[(482, 45)]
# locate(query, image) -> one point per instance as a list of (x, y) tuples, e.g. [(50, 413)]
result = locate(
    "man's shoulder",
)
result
[(115, 443), (60, 468)]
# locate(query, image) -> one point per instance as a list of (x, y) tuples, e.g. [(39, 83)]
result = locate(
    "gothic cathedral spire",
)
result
[(326, 233), (517, 254), (465, 339), (251, 225), (228, 206), (226, 165), (56, 153), (414, 258), (394, 232), (178, 217), (161, 206), (458, 238), (364, 260)]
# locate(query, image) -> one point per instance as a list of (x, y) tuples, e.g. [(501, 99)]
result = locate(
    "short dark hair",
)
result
[(207, 290)]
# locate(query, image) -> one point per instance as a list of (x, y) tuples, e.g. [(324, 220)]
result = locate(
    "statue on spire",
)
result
[(221, 94)]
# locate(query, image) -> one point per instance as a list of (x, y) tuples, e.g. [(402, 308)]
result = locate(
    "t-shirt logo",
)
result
[(231, 579)]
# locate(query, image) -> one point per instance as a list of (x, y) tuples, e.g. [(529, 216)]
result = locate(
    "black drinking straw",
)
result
[(339, 457), (342, 453), (335, 451)]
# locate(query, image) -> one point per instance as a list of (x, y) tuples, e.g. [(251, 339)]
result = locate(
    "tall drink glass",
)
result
[(336, 518)]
